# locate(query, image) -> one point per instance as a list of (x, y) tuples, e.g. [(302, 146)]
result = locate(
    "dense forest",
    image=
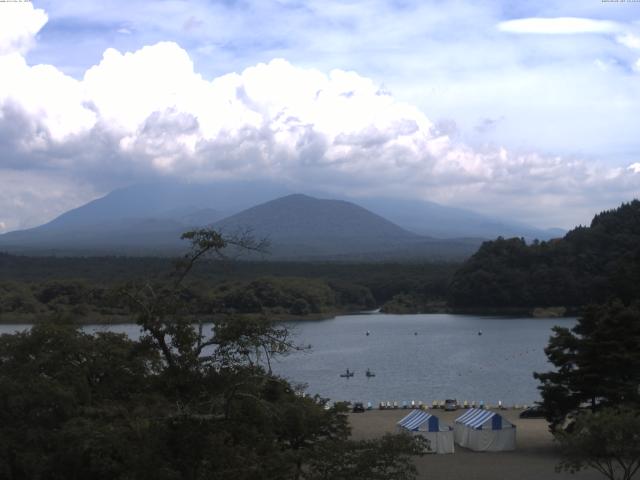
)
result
[(589, 265), (34, 289)]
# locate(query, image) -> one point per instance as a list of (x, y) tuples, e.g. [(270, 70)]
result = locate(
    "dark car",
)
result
[(450, 404), (358, 407), (532, 412)]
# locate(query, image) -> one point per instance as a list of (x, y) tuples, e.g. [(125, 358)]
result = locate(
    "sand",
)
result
[(534, 459)]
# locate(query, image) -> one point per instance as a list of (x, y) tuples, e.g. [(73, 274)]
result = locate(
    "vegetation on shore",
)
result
[(590, 265), (179, 403), (89, 290)]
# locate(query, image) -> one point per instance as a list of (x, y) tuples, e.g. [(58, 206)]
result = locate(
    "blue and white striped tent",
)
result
[(419, 422), (484, 430)]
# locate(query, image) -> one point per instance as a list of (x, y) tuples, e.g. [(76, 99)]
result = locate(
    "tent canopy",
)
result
[(483, 420), (419, 420)]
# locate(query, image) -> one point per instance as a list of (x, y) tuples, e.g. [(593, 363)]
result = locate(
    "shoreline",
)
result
[(535, 457), (97, 319)]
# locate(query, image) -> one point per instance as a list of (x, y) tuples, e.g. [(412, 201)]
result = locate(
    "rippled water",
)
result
[(446, 359)]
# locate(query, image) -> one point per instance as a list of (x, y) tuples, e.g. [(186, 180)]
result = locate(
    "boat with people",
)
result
[(370, 373), (347, 374)]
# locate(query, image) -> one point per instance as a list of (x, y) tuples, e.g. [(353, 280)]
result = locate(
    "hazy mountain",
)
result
[(302, 226), (434, 220), (149, 218)]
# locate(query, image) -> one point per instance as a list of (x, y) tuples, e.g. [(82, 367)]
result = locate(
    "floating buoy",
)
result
[(368, 333), (415, 333), (480, 332)]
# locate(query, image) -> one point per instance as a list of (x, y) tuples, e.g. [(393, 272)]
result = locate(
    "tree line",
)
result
[(590, 265)]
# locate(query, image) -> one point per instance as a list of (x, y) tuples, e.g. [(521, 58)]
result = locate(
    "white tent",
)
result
[(484, 431), (419, 422)]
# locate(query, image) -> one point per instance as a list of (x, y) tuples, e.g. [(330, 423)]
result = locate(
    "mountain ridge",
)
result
[(149, 219)]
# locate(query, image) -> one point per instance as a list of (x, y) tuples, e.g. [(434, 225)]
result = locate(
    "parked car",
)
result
[(532, 412), (358, 407), (450, 404)]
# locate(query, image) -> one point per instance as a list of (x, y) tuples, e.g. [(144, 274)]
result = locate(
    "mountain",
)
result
[(300, 226), (149, 218), (434, 220), (140, 219)]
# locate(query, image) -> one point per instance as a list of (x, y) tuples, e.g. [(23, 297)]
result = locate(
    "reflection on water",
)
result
[(446, 359)]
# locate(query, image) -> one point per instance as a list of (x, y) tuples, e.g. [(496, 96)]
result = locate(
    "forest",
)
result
[(590, 265), (90, 289)]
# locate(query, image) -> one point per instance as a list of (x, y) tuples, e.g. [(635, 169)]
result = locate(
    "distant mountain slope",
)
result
[(299, 217), (167, 201), (149, 218), (300, 226), (434, 220), (589, 265)]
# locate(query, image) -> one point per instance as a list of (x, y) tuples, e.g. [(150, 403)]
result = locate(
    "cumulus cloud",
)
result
[(148, 113), (558, 26), (19, 24)]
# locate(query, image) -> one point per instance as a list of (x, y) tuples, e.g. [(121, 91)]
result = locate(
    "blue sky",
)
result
[(519, 109)]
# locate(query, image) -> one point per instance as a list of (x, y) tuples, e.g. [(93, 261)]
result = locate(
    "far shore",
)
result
[(535, 457), (100, 319)]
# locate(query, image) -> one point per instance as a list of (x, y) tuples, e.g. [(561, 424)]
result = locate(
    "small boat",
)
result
[(368, 333), (347, 374), (370, 373), (480, 332)]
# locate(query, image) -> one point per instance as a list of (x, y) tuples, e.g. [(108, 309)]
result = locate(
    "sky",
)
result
[(522, 110)]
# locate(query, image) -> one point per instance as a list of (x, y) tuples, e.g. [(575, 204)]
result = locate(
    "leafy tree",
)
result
[(607, 441), (180, 403), (597, 361)]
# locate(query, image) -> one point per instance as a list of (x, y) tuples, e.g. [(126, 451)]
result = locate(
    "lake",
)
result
[(414, 357)]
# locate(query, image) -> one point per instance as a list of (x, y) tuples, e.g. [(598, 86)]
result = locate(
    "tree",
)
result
[(180, 403), (597, 361), (607, 441)]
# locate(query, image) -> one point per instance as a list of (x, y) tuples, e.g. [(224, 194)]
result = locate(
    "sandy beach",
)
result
[(534, 459)]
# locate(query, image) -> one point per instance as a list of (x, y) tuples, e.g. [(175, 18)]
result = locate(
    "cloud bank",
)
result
[(148, 114)]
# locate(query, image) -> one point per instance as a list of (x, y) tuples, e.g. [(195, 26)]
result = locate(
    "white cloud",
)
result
[(19, 23), (634, 167), (629, 40), (148, 113), (30, 198), (558, 26)]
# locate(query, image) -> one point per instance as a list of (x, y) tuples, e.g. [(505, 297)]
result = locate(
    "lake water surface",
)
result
[(446, 359)]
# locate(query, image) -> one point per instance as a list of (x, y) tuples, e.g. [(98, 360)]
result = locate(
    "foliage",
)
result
[(179, 403), (607, 441), (589, 265), (380, 459), (597, 362)]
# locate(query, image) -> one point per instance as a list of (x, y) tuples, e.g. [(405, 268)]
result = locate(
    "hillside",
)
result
[(147, 219), (299, 225), (589, 265)]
